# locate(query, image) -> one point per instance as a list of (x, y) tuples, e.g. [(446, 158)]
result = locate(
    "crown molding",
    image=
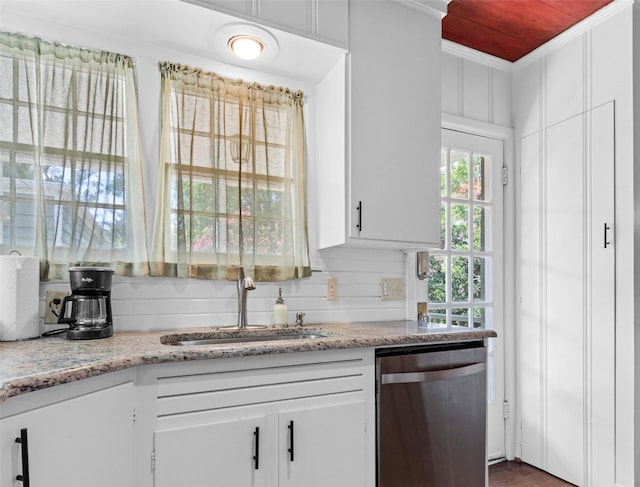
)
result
[(476, 56), (435, 8), (580, 28)]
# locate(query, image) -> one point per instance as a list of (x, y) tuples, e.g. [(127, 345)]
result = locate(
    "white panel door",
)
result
[(565, 300), (466, 274), (566, 317), (601, 293), (529, 380)]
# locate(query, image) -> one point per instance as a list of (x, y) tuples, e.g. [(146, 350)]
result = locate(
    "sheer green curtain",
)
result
[(232, 179), (70, 178)]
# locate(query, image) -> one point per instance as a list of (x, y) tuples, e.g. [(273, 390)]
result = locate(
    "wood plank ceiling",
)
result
[(510, 29)]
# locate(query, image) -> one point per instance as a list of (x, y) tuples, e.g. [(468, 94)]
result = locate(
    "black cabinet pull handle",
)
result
[(359, 208), (256, 456), (24, 478), (606, 241), (290, 450)]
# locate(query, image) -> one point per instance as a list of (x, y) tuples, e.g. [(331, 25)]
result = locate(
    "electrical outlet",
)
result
[(332, 289), (391, 289), (52, 306)]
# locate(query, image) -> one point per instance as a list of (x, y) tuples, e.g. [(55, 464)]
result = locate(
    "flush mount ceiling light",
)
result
[(245, 44), (246, 47)]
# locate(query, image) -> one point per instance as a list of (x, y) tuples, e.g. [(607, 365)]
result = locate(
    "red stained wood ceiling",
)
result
[(510, 29)]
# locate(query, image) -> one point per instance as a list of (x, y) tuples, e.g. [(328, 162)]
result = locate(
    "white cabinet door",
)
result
[(227, 453), (379, 165), (566, 354), (83, 441), (394, 124), (322, 446)]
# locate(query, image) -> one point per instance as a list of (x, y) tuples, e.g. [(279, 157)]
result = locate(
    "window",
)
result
[(70, 175), (232, 187), (461, 287)]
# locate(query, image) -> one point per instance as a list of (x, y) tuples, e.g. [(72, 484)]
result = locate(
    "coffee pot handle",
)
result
[(63, 310)]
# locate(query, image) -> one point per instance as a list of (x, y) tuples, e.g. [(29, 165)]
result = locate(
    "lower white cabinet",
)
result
[(314, 446), (294, 420), (81, 441), (323, 445), (225, 452)]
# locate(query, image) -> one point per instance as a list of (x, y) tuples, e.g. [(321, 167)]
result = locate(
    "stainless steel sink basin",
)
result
[(220, 337)]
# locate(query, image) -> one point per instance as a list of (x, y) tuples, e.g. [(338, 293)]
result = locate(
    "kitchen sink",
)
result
[(222, 336)]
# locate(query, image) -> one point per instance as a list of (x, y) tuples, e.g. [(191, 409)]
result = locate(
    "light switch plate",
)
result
[(391, 289)]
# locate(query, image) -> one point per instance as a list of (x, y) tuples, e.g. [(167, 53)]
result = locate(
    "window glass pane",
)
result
[(201, 195), (232, 235), (56, 131), (6, 122), (103, 227), (270, 161), (94, 183), (443, 172), (270, 201), (437, 316), (200, 152), (6, 75), (26, 79), (437, 292), (202, 234), (459, 227), (459, 174), (24, 222), (24, 126), (270, 237), (481, 178), (58, 91), (99, 135), (481, 226), (460, 317), (459, 279), (24, 174), (481, 318), (248, 235), (480, 278), (443, 226)]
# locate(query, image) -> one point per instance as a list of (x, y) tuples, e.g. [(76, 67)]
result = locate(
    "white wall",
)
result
[(584, 69), (476, 86), (151, 303)]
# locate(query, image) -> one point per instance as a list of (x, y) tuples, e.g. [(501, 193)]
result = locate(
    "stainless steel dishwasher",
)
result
[(431, 404)]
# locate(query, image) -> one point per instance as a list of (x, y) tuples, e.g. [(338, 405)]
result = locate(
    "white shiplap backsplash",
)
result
[(148, 303)]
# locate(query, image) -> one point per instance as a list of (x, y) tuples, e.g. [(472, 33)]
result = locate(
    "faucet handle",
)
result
[(299, 318)]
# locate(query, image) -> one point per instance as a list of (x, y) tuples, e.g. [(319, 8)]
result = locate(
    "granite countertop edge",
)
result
[(32, 365)]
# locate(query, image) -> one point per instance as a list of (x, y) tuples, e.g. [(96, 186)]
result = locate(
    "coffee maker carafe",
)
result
[(87, 310)]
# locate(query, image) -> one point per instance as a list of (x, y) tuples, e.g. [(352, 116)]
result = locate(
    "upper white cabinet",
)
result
[(323, 20), (380, 185)]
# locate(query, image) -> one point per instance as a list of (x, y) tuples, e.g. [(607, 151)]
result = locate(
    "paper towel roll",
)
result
[(19, 286)]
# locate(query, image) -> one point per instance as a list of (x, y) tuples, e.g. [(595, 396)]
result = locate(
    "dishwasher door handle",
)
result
[(432, 375)]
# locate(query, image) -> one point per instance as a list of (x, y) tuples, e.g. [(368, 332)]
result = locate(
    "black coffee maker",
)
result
[(87, 310)]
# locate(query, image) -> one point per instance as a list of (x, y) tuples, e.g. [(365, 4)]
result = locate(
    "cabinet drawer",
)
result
[(256, 384)]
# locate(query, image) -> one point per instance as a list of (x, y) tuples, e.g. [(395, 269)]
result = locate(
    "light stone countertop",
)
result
[(31, 365)]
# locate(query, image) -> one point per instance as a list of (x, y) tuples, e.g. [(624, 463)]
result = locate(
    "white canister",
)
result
[(19, 288)]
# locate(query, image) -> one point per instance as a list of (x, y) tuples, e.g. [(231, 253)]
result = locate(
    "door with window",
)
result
[(466, 274)]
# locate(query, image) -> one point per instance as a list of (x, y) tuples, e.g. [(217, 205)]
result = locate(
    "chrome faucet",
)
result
[(245, 284)]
